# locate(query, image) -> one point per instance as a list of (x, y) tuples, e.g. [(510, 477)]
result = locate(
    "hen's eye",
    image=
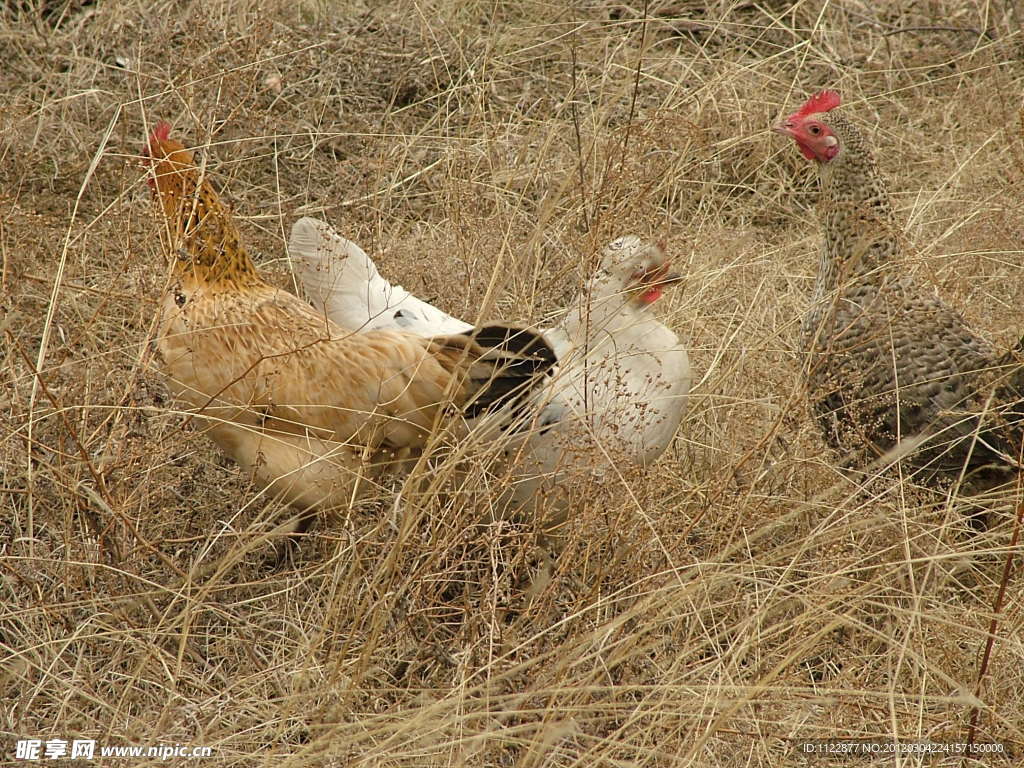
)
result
[(814, 129)]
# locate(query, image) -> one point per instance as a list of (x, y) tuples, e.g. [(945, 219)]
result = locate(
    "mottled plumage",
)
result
[(888, 363)]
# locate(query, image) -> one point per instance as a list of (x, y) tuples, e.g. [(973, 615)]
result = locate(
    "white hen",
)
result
[(623, 377)]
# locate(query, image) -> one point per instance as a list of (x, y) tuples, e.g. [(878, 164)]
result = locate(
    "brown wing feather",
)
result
[(267, 350)]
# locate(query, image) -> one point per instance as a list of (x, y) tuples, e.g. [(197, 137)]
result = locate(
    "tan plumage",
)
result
[(304, 404)]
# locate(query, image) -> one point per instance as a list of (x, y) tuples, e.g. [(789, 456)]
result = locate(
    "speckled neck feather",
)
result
[(860, 233), (212, 250)]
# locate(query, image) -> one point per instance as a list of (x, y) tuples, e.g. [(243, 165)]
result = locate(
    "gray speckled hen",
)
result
[(888, 364)]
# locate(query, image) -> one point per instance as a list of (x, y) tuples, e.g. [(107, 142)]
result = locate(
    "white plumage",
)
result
[(623, 377), (342, 281)]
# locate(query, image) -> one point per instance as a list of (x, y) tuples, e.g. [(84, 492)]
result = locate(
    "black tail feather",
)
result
[(527, 342), (517, 359)]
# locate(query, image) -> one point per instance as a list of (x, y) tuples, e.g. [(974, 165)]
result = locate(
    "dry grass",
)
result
[(740, 598)]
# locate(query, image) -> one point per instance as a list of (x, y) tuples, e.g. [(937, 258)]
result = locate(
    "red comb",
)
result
[(823, 101), (161, 132)]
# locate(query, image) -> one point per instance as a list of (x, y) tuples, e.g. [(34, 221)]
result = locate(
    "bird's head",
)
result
[(639, 270), (197, 221), (167, 159), (816, 139)]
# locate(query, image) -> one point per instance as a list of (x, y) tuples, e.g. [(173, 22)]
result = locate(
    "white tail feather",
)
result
[(341, 280)]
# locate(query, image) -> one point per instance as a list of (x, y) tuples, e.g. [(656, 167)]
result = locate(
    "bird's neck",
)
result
[(212, 252), (231, 269), (860, 233), (603, 311), (218, 276)]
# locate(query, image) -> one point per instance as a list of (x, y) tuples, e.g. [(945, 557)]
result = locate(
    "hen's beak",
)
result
[(785, 127), (657, 276), (669, 278)]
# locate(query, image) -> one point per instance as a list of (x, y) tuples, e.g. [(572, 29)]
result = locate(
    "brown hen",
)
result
[(317, 413)]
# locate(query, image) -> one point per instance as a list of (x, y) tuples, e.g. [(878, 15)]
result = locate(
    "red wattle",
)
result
[(651, 295)]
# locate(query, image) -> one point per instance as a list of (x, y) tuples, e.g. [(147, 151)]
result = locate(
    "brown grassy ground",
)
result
[(739, 599)]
